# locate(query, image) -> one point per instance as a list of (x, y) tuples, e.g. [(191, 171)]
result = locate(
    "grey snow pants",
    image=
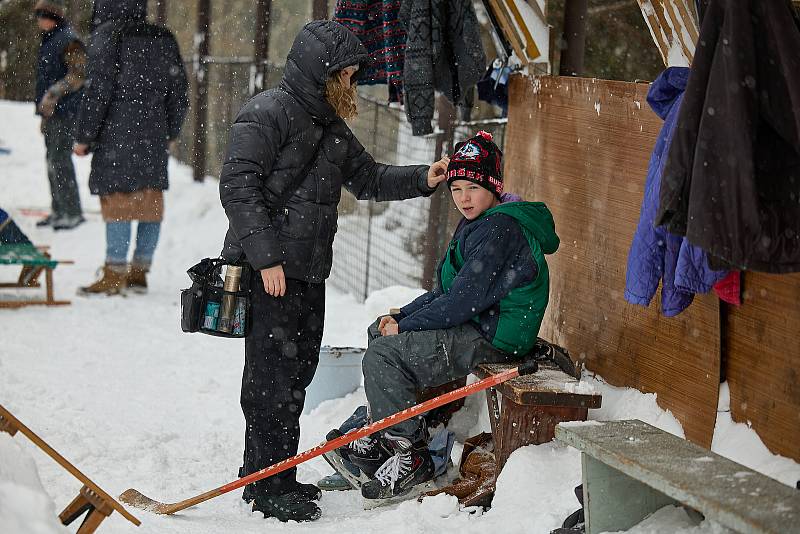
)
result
[(397, 367)]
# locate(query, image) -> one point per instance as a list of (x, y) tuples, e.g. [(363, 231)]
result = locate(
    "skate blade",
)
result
[(413, 493), (335, 462)]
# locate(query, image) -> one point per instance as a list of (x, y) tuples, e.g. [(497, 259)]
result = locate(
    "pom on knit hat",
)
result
[(478, 160)]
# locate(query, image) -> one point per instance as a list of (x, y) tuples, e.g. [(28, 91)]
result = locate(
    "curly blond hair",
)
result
[(344, 100)]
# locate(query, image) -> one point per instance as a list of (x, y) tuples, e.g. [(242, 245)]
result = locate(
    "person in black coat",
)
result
[(59, 79), (133, 106), (289, 154)]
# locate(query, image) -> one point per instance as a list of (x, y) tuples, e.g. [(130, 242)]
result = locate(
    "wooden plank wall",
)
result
[(583, 146), (763, 360)]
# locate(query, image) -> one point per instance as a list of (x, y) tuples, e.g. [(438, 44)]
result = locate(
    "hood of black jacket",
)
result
[(105, 10), (322, 48)]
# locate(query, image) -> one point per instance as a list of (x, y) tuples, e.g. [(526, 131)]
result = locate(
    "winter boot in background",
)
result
[(67, 222), (406, 472), (113, 282), (292, 506), (137, 278)]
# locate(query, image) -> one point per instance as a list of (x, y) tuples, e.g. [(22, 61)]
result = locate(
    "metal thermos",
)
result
[(232, 275)]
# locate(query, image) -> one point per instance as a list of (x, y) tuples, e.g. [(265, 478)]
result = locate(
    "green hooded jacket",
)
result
[(522, 309)]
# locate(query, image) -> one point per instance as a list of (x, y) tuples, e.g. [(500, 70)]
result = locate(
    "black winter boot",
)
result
[(292, 506), (309, 491), (409, 466)]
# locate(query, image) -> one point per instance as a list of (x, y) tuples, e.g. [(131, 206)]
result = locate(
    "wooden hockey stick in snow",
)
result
[(137, 499)]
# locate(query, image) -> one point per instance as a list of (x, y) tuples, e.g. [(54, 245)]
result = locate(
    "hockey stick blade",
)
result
[(137, 499)]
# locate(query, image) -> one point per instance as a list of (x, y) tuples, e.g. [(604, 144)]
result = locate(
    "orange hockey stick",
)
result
[(137, 499)]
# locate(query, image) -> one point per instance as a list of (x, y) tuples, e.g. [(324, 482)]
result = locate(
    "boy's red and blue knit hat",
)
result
[(478, 160)]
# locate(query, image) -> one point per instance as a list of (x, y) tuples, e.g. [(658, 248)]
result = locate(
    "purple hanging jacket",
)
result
[(656, 254)]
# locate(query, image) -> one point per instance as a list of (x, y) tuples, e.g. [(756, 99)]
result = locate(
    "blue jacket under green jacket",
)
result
[(494, 275)]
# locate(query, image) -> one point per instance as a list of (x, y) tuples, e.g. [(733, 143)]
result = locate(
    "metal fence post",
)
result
[(200, 66), (258, 71), (574, 38), (370, 203)]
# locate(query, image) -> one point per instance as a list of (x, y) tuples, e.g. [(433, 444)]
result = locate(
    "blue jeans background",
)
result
[(118, 241)]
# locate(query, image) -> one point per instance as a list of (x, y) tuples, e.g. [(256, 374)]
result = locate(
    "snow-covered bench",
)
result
[(631, 469)]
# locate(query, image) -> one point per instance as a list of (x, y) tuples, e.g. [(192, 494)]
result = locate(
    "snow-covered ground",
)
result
[(116, 387)]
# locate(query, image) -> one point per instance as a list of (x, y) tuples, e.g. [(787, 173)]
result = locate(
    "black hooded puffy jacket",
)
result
[(134, 101), (275, 136)]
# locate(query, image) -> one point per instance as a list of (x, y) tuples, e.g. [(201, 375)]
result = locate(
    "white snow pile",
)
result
[(120, 391), (24, 504)]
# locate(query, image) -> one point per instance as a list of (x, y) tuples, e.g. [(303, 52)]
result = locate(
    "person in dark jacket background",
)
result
[(134, 105), (59, 79), (492, 292), (289, 154)]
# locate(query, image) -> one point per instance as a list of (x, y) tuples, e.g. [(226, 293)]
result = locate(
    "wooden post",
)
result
[(573, 40), (258, 71), (319, 9), (200, 67), (437, 216), (161, 12)]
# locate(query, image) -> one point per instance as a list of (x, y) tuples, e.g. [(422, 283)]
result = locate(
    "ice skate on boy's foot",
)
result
[(404, 474), (356, 461)]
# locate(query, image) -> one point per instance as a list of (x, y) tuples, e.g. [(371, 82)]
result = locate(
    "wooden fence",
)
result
[(583, 146)]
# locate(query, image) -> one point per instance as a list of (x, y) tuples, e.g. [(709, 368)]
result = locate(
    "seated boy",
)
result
[(492, 292)]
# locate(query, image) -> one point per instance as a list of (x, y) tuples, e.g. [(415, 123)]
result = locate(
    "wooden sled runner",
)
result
[(34, 260), (91, 499)]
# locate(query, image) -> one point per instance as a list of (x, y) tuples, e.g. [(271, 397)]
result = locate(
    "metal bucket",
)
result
[(338, 373)]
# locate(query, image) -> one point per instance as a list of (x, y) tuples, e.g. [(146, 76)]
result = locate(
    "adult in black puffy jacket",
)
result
[(292, 143), (133, 106)]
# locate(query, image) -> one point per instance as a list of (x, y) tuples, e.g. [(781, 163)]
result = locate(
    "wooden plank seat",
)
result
[(631, 469), (34, 261), (525, 410), (91, 499)]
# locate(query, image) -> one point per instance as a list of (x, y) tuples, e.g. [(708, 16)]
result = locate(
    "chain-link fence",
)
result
[(384, 244)]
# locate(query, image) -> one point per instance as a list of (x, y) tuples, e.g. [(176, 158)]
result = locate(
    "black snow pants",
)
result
[(65, 200), (281, 356)]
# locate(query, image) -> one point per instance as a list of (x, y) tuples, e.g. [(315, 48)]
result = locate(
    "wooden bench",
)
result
[(34, 260), (631, 469), (525, 410), (91, 499)]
